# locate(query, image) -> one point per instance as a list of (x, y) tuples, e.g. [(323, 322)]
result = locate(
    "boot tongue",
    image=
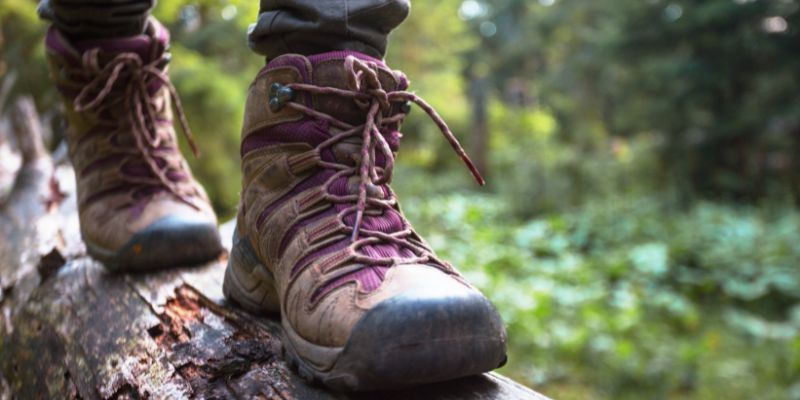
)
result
[(140, 44), (149, 45), (328, 70)]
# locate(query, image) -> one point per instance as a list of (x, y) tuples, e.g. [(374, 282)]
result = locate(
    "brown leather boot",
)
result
[(365, 303), (140, 207)]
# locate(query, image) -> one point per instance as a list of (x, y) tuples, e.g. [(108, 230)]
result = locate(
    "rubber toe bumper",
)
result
[(416, 338), (170, 241)]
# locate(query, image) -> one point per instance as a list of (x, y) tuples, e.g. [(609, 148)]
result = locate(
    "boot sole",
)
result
[(445, 352), (165, 243)]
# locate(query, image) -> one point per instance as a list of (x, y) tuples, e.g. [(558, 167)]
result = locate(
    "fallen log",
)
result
[(71, 330)]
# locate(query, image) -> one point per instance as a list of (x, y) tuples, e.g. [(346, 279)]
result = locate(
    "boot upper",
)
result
[(118, 104), (318, 145)]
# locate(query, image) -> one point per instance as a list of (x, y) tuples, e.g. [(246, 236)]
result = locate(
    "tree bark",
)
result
[(478, 88), (71, 330)]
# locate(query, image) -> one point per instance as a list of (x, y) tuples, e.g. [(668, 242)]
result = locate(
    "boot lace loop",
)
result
[(140, 106), (365, 90)]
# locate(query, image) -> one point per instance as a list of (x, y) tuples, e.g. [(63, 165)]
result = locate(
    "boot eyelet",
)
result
[(279, 95), (405, 108), (274, 104)]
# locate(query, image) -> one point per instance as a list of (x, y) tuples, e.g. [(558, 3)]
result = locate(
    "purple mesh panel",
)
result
[(146, 191), (393, 138), (164, 149), (143, 45), (142, 199), (370, 278), (339, 186), (386, 251), (137, 169), (140, 45), (389, 222), (177, 176), (341, 54), (403, 84), (140, 169), (308, 131), (161, 34)]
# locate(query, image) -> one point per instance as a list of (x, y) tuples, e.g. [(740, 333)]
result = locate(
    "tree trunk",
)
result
[(70, 330), (479, 151)]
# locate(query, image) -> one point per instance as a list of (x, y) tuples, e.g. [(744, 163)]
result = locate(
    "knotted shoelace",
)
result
[(365, 89), (139, 103)]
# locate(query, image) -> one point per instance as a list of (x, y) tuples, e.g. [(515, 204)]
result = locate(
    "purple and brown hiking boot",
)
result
[(364, 302), (140, 208)]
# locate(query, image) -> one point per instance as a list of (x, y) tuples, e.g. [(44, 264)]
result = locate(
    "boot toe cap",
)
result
[(170, 241), (420, 336)]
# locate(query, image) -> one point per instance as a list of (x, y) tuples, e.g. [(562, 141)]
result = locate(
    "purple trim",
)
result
[(143, 45), (108, 192), (341, 55), (289, 60), (315, 180), (101, 163), (56, 43), (140, 45), (370, 278), (304, 131)]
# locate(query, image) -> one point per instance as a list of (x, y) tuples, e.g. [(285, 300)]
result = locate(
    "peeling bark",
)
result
[(71, 330)]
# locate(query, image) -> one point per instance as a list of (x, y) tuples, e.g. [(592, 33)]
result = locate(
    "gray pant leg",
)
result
[(97, 19), (316, 26)]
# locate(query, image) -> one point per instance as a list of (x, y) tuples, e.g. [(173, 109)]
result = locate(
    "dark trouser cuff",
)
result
[(97, 19), (317, 26), (283, 26)]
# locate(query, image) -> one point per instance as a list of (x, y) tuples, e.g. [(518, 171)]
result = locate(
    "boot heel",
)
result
[(247, 282)]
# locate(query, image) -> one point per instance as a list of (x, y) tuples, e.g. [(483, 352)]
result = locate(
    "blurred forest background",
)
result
[(640, 231)]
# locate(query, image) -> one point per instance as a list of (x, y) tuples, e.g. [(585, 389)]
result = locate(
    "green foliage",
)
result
[(21, 45), (715, 80), (540, 173), (216, 110), (630, 298)]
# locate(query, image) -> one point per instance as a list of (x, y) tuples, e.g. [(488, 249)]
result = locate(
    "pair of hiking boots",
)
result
[(320, 238)]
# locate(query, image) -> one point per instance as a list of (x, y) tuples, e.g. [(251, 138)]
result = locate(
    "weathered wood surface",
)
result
[(69, 329)]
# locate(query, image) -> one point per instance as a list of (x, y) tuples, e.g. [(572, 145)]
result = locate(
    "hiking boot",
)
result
[(364, 302), (139, 206)]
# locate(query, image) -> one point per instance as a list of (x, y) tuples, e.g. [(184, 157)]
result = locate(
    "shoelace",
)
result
[(367, 92), (138, 100)]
